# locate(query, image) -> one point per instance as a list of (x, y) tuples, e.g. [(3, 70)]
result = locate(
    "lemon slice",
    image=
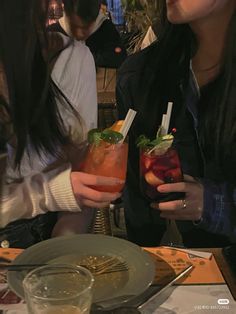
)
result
[(167, 137), (163, 147)]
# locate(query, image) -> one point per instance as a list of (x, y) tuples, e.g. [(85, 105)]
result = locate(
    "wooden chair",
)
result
[(106, 84)]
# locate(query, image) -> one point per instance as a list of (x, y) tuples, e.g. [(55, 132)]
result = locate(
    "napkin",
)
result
[(201, 254)]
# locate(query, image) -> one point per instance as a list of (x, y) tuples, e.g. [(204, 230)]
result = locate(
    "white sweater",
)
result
[(42, 185)]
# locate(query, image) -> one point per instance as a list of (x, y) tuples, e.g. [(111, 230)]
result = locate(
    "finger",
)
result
[(178, 215), (174, 215), (90, 179), (170, 206), (172, 187), (188, 178), (85, 192)]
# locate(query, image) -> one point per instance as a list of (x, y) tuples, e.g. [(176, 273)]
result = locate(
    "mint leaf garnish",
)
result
[(156, 142), (161, 141), (94, 136), (142, 141), (109, 136)]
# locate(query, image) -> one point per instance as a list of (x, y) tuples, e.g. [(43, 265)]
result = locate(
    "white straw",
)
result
[(127, 123), (163, 125), (168, 115), (165, 122)]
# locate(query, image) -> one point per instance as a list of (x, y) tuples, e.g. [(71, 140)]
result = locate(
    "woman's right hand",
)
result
[(89, 197)]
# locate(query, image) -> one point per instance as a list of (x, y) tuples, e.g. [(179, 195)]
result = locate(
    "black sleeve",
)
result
[(106, 46), (126, 100)]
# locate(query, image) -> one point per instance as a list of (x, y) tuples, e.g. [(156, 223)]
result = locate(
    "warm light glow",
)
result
[(55, 11)]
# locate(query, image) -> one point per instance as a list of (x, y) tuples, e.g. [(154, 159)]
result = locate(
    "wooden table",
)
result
[(189, 298)]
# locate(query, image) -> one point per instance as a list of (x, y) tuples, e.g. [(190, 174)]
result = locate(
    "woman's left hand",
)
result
[(189, 208)]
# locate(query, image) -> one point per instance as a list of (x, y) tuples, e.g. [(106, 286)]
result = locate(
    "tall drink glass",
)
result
[(156, 168), (58, 289), (109, 160)]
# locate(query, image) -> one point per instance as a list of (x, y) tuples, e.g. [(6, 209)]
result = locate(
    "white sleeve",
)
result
[(36, 194), (75, 74), (37, 190)]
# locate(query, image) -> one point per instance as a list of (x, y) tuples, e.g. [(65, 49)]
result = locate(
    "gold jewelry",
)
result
[(184, 205)]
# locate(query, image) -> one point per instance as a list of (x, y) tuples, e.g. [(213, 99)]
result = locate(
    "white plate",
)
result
[(71, 249)]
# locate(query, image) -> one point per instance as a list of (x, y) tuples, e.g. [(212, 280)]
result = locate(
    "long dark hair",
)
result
[(170, 69), (32, 103)]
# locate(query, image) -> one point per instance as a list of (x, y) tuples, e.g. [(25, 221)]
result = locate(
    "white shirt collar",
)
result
[(63, 21)]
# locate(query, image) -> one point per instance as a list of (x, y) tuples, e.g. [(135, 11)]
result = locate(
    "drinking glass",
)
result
[(155, 169), (58, 289), (109, 160)]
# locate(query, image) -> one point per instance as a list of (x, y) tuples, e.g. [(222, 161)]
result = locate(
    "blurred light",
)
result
[(55, 11)]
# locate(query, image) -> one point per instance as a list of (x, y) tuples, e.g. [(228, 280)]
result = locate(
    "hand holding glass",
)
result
[(106, 157), (158, 168), (155, 169), (109, 160)]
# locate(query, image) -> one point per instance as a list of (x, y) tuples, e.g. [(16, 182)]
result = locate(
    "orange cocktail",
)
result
[(107, 157), (109, 160)]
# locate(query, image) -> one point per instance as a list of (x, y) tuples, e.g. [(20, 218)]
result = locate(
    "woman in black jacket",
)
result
[(193, 65)]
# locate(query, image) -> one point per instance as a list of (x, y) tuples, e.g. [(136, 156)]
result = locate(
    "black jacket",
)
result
[(131, 93), (102, 44)]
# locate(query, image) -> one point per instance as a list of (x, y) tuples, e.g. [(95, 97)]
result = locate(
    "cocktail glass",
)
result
[(157, 168), (109, 160), (58, 289)]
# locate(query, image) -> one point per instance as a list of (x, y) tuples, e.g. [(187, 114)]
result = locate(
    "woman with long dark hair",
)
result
[(40, 128), (193, 65)]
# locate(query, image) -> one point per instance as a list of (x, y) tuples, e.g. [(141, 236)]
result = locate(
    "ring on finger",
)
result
[(184, 205)]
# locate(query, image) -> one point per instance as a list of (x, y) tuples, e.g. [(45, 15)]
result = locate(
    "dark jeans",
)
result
[(26, 232), (150, 235)]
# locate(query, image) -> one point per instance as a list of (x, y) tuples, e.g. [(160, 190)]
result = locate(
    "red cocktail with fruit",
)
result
[(159, 164)]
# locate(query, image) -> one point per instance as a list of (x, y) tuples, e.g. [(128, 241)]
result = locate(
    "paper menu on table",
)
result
[(10, 254), (170, 260)]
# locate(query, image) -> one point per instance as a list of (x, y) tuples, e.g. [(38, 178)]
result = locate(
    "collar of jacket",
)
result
[(63, 21)]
